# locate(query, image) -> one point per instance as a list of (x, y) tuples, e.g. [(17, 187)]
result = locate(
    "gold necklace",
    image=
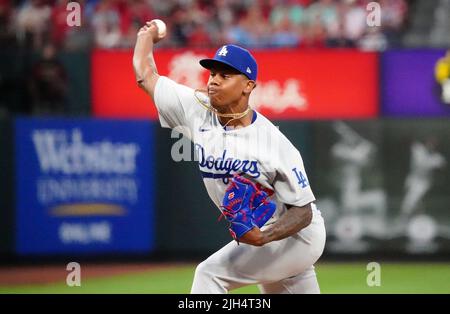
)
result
[(207, 106)]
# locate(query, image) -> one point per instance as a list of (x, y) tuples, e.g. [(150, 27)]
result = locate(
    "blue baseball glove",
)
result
[(246, 206)]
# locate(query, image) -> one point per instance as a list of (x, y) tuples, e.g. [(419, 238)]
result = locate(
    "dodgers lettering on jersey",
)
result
[(260, 150), (222, 163)]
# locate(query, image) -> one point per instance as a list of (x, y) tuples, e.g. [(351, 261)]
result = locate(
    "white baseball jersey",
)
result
[(266, 156), (260, 150)]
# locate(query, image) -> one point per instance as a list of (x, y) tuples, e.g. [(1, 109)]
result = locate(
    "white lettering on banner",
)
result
[(61, 152), (272, 96), (85, 233), (184, 69), (50, 190)]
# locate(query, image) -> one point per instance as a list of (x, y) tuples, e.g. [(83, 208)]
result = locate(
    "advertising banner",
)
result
[(291, 84), (414, 85), (83, 186), (383, 185)]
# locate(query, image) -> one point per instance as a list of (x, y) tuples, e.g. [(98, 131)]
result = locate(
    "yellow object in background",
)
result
[(442, 68)]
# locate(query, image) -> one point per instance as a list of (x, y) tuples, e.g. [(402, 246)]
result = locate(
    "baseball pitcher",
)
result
[(251, 171)]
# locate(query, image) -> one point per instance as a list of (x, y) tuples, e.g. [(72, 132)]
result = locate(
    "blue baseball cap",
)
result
[(236, 57)]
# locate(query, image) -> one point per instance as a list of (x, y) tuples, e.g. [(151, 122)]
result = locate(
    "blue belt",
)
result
[(215, 175)]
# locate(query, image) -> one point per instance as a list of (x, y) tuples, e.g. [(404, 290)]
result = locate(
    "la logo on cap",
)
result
[(223, 52)]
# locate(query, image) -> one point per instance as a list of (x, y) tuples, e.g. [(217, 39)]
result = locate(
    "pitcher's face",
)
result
[(225, 85)]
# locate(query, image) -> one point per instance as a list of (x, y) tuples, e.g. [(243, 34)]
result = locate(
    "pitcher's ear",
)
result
[(250, 85)]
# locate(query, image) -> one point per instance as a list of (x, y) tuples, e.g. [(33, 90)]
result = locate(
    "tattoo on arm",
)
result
[(291, 222)]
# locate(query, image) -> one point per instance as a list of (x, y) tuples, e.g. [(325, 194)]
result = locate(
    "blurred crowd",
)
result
[(113, 24)]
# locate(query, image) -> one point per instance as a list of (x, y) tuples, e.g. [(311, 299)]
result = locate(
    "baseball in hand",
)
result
[(162, 29)]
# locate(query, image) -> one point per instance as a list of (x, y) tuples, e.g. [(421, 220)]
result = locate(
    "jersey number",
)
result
[(302, 181)]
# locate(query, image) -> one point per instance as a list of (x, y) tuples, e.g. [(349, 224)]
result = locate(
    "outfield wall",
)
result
[(377, 162), (87, 187)]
